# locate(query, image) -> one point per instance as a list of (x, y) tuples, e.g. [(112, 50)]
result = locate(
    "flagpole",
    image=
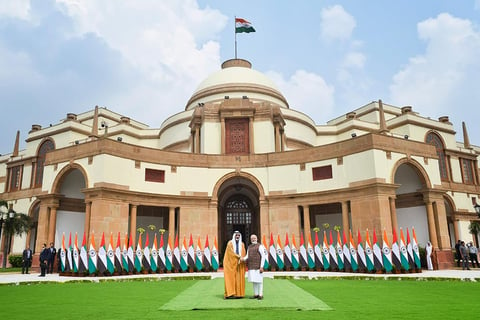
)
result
[(235, 31)]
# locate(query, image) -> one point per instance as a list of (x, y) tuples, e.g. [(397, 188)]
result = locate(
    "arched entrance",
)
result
[(238, 210)]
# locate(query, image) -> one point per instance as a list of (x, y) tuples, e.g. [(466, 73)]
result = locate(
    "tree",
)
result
[(12, 223), (474, 228)]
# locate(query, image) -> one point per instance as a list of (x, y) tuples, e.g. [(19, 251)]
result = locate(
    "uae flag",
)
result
[(377, 253), (325, 252), (403, 252), (265, 253), (215, 255), (118, 254), (146, 254), (63, 255), (280, 261), (191, 253), (333, 254), (138, 254), (295, 259), (110, 256), (416, 252), (387, 253), (272, 254), (369, 253), (396, 258), (176, 255), (242, 25), (310, 253), (318, 253), (347, 261), (102, 256), (154, 255), (340, 258), (303, 253), (198, 256), (83, 262), (207, 256), (130, 255), (353, 252), (411, 259), (75, 254), (362, 261), (69, 254), (287, 254), (184, 258), (92, 256), (169, 255), (161, 255), (125, 254)]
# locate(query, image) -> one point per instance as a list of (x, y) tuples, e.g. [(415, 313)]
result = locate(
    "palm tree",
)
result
[(474, 228), (12, 223)]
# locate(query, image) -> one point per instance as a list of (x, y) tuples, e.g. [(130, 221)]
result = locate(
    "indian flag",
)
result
[(396, 258), (102, 256), (353, 252), (63, 254), (75, 254), (411, 259), (333, 254), (311, 253), (207, 255), (303, 253), (369, 253), (403, 252), (347, 261), (272, 256), (154, 255), (184, 258), (125, 254), (176, 255), (377, 253), (130, 255), (161, 255), (280, 259), (69, 253), (295, 259), (265, 253), (169, 255), (191, 253), (214, 255), (138, 254), (325, 252), (340, 258), (198, 256), (110, 256), (146, 254), (118, 254), (83, 264), (416, 252), (387, 253), (242, 25), (362, 260), (288, 254), (92, 256)]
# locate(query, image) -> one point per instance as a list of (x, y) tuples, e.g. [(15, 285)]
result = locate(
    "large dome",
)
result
[(236, 79)]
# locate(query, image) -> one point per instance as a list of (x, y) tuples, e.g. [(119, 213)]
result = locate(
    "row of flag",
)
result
[(149, 257), (364, 256)]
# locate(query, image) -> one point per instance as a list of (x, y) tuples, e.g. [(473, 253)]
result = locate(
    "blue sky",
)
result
[(144, 58)]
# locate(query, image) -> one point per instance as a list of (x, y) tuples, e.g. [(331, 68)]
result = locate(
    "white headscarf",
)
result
[(234, 242)]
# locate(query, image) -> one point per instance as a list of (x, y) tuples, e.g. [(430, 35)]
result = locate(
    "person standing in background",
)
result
[(26, 259), (51, 257)]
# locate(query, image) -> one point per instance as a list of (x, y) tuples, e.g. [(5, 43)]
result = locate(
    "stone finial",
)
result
[(383, 123), (466, 140), (16, 145), (95, 122)]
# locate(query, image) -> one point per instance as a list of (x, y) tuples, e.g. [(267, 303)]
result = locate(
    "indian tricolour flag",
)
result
[(215, 255), (303, 253), (118, 254), (280, 258), (169, 255), (310, 253), (272, 254), (318, 252), (75, 254), (154, 255), (386, 253), (325, 252), (198, 256), (369, 253), (184, 258), (161, 255), (347, 261), (362, 261), (110, 256), (242, 25), (353, 252), (69, 253), (63, 254), (340, 256), (92, 256), (125, 254), (191, 253), (146, 254), (102, 256), (403, 252), (416, 252), (176, 255), (207, 255), (265, 253), (411, 259), (138, 254), (295, 259), (287, 253), (377, 253), (83, 264), (130, 254), (396, 258)]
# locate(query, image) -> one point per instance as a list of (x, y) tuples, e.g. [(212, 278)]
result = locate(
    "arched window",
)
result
[(42, 151), (434, 139)]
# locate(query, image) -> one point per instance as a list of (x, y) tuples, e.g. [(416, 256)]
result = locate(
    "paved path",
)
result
[(473, 274)]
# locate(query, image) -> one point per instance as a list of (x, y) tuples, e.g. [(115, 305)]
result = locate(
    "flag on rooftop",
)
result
[(242, 25)]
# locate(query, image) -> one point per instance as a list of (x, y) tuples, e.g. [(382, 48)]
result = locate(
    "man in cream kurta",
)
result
[(234, 268), (255, 261)]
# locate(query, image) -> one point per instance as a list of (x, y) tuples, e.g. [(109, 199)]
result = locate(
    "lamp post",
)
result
[(6, 218), (476, 206)]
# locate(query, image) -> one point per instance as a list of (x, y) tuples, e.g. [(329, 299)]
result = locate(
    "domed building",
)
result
[(238, 158)]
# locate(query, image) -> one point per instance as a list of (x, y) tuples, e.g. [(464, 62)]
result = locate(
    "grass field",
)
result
[(366, 298)]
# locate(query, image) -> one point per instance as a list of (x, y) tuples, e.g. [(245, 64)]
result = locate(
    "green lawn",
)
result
[(348, 298)]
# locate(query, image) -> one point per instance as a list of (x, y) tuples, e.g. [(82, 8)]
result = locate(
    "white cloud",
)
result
[(446, 74), (15, 8), (336, 23)]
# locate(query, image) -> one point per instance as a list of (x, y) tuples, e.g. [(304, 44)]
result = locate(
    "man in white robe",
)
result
[(255, 259)]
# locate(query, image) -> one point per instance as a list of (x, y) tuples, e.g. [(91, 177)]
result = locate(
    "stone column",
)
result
[(393, 214), (431, 224), (133, 222), (277, 138), (306, 222), (345, 220), (264, 219), (88, 214), (171, 221), (250, 135), (222, 135), (197, 140), (52, 224)]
